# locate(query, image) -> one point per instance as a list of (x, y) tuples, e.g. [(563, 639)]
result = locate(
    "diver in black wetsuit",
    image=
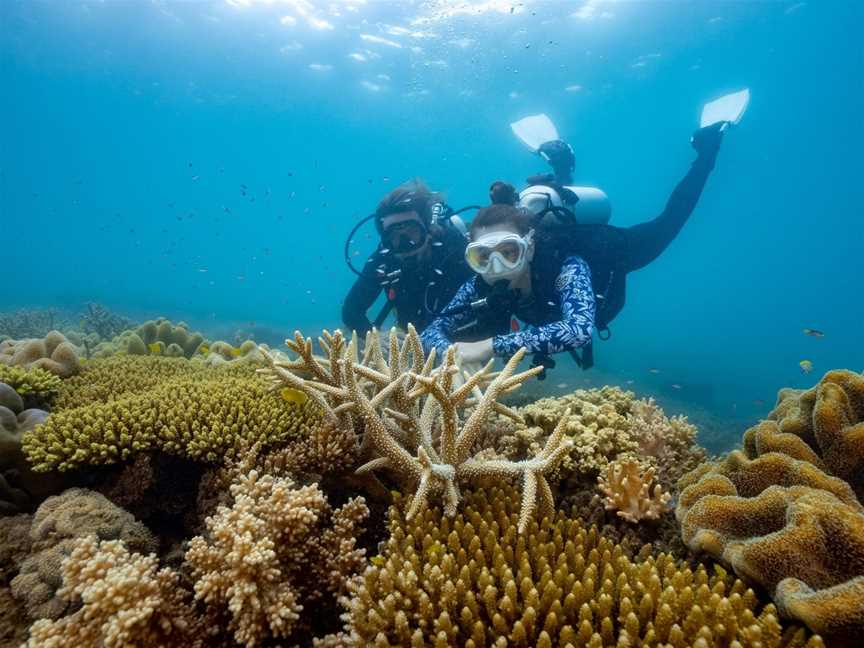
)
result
[(563, 279), (419, 263)]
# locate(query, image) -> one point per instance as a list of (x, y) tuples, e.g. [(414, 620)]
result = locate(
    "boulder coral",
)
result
[(57, 524), (53, 353), (476, 580), (17, 482), (154, 337), (200, 418), (783, 512), (276, 550)]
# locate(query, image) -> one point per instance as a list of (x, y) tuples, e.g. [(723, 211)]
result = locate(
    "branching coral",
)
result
[(414, 416), (627, 490), (477, 580), (198, 418), (274, 551), (98, 319), (783, 515), (126, 601), (53, 353), (29, 323), (29, 381), (58, 522)]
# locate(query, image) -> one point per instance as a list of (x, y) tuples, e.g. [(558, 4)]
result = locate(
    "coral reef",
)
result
[(101, 321), (782, 514), (53, 353), (126, 600), (477, 580), (201, 418), (627, 490), (154, 337), (58, 522), (220, 352), (30, 381), (275, 551), (415, 408), (17, 481), (29, 323)]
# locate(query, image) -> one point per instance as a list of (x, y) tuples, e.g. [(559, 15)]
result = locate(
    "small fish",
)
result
[(675, 386), (813, 332), (155, 348), (195, 177), (378, 561), (236, 352), (202, 269), (654, 370), (630, 382), (561, 385), (290, 395), (203, 349), (758, 402), (806, 366)]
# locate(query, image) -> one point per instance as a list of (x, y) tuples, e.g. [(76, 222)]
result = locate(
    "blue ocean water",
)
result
[(205, 160)]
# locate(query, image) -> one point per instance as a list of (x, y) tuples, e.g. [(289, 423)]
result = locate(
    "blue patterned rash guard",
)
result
[(573, 299)]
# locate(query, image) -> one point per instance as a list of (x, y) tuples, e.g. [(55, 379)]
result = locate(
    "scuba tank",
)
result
[(588, 205)]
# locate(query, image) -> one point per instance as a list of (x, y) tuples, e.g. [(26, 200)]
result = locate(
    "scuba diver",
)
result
[(419, 263), (563, 278)]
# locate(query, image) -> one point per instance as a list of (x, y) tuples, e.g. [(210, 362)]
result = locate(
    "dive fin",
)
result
[(535, 130), (729, 108)]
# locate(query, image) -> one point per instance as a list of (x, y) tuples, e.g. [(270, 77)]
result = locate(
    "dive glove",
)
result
[(707, 139)]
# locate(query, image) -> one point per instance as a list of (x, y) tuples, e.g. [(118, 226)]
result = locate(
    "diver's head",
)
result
[(539, 199), (404, 219), (502, 244), (560, 157)]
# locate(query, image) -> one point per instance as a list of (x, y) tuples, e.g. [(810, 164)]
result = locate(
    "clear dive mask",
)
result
[(499, 254)]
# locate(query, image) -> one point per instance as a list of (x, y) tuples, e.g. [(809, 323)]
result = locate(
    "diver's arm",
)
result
[(441, 332), (646, 241), (360, 299), (574, 330)]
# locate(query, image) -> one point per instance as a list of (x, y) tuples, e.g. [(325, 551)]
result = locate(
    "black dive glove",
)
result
[(707, 140)]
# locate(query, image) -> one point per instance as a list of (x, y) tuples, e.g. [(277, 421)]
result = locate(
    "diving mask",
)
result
[(499, 254), (404, 237)]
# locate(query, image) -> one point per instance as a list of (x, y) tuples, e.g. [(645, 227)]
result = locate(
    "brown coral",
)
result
[(784, 514), (420, 423), (274, 551), (157, 337), (18, 484), (476, 581), (58, 522), (53, 353), (628, 492), (126, 601)]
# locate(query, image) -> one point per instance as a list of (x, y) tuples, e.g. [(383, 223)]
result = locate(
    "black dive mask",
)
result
[(404, 237)]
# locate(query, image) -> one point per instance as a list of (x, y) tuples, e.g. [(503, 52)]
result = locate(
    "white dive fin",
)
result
[(535, 130), (729, 108)]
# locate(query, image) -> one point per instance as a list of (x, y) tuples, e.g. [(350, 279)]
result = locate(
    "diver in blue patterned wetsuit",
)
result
[(562, 279)]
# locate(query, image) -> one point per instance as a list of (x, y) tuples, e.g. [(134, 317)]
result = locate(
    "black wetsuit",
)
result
[(420, 292)]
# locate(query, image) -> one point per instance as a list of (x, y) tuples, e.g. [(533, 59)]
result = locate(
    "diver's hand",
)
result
[(707, 140), (474, 353)]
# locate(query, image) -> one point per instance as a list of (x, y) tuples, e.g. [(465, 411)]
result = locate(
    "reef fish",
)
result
[(155, 347), (813, 332), (806, 366), (295, 396)]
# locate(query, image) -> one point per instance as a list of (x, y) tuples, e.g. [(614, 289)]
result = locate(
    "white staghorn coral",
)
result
[(420, 422), (627, 487)]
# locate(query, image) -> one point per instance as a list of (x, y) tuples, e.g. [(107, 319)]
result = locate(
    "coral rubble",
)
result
[(416, 418), (477, 580), (784, 512)]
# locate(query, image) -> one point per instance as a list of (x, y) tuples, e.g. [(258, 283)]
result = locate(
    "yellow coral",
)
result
[(476, 581), (200, 418), (274, 551), (627, 487), (29, 381), (126, 601), (156, 337), (783, 514)]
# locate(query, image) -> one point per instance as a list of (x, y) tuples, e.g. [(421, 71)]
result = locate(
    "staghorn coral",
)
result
[(415, 421), (29, 381), (126, 600), (627, 490), (101, 321), (29, 323), (477, 581), (53, 353), (58, 522), (275, 551), (782, 514), (201, 418)]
